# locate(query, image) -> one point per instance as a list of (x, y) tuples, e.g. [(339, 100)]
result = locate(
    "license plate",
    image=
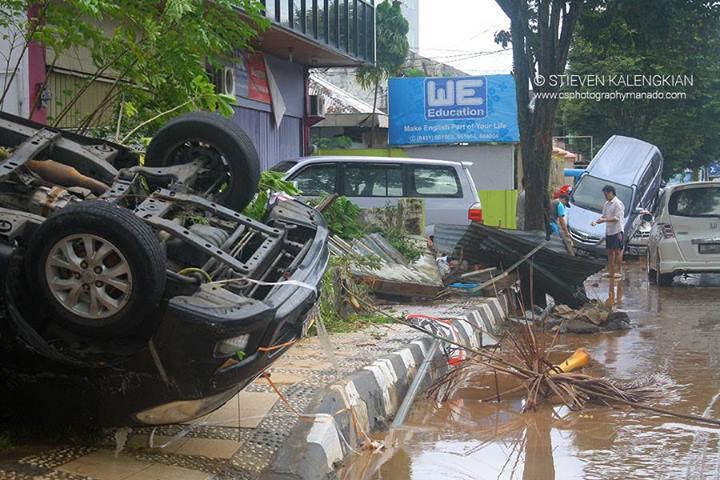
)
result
[(709, 248)]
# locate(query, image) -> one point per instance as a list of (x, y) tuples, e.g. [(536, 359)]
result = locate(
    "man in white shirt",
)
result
[(613, 214)]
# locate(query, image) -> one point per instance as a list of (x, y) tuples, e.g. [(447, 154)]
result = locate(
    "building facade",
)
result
[(271, 84)]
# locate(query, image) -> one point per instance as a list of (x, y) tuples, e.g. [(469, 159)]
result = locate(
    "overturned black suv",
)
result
[(134, 292)]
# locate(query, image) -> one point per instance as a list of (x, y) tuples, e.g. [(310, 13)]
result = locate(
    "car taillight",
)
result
[(475, 213), (667, 230)]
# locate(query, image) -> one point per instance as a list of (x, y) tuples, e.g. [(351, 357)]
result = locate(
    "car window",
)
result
[(435, 181), (373, 181), (316, 179), (661, 203), (283, 166), (695, 202), (588, 194)]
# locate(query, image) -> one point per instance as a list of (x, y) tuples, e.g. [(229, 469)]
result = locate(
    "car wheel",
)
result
[(663, 279), (99, 268), (233, 165), (651, 272)]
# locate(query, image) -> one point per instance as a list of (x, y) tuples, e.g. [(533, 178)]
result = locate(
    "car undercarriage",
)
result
[(140, 282)]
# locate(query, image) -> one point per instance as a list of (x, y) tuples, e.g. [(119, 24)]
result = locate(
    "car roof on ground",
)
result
[(367, 159)]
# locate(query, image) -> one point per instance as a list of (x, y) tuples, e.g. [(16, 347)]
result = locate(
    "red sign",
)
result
[(258, 87)]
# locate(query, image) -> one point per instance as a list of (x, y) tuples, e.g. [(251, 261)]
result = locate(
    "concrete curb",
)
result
[(316, 447)]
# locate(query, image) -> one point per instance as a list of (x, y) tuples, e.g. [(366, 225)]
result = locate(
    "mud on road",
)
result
[(674, 343)]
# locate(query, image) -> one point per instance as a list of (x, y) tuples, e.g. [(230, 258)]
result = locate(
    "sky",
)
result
[(459, 32)]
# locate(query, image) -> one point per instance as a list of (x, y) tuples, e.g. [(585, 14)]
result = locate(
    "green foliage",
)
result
[(339, 142), (413, 72), (158, 52), (270, 182), (403, 243), (335, 308), (392, 44), (647, 37), (343, 219)]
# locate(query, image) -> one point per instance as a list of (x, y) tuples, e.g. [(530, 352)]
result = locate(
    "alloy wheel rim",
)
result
[(89, 276)]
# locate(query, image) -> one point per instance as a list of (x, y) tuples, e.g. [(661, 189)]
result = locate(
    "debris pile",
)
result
[(593, 317), (554, 272), (392, 274)]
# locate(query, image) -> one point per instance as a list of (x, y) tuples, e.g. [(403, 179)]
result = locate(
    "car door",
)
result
[(694, 214), (440, 188), (372, 185)]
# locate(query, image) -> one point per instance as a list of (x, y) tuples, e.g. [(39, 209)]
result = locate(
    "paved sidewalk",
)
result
[(237, 441)]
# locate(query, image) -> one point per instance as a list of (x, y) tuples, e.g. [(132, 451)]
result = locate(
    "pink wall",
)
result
[(36, 73)]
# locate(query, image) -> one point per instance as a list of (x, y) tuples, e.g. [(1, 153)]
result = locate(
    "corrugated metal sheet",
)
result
[(63, 86), (559, 274), (272, 144), (395, 275)]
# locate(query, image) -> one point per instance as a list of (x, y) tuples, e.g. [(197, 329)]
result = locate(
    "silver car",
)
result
[(630, 165), (447, 189)]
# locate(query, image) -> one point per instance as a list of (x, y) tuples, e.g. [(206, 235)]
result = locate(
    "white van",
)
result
[(448, 191)]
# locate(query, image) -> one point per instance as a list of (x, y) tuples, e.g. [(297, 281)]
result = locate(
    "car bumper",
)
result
[(672, 260)]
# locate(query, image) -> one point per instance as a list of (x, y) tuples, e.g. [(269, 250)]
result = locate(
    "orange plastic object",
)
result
[(579, 359)]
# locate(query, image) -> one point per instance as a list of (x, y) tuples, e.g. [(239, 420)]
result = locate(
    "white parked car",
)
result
[(447, 189), (685, 237)]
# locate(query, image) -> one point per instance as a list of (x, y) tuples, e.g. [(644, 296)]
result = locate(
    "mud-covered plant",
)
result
[(270, 182)]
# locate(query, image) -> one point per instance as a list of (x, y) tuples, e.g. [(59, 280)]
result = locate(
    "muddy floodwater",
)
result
[(674, 343)]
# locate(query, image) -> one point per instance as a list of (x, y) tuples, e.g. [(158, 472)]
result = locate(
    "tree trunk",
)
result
[(537, 151), (372, 125)]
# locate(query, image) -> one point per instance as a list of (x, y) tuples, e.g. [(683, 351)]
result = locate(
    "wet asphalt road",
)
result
[(674, 345)]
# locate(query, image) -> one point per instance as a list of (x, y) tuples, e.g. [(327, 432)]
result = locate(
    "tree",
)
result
[(392, 49), (157, 54), (650, 37), (540, 33)]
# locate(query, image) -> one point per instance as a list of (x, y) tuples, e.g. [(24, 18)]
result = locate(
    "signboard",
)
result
[(440, 110), (258, 87), (251, 79)]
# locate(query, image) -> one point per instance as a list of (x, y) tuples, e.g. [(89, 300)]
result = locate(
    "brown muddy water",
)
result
[(674, 343)]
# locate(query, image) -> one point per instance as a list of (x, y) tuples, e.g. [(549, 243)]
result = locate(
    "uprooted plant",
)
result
[(341, 295)]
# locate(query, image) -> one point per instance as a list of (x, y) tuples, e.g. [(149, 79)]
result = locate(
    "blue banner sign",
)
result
[(713, 170), (441, 110)]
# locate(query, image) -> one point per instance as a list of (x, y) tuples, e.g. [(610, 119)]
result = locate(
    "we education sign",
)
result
[(453, 110)]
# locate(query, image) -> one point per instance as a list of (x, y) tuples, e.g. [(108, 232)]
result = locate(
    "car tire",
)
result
[(99, 269), (222, 140), (663, 279), (651, 272)]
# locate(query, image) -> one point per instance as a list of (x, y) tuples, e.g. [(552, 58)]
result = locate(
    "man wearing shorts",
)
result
[(613, 213)]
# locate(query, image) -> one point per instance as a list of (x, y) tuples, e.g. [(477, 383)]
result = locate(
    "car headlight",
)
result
[(230, 346)]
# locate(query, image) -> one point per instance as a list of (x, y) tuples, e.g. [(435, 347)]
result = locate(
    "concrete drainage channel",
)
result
[(366, 401)]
